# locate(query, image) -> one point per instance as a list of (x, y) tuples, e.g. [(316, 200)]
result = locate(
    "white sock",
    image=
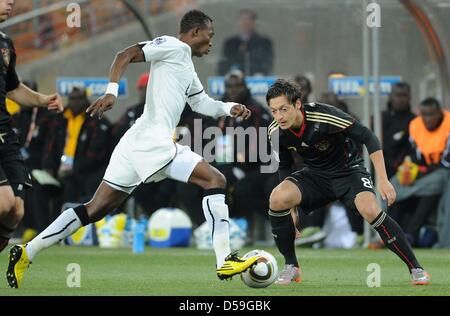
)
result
[(65, 225), (216, 214)]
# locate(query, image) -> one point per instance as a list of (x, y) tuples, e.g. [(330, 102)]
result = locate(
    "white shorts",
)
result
[(124, 175)]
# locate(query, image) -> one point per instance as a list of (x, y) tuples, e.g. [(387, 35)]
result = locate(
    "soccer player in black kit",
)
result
[(325, 137), (13, 175)]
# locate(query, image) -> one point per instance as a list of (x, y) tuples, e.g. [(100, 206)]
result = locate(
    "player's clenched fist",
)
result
[(240, 110)]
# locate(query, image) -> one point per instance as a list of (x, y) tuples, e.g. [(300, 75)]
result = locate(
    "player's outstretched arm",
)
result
[(132, 54), (27, 97), (203, 104)]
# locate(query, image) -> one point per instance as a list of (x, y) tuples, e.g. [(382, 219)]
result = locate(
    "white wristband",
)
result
[(113, 88)]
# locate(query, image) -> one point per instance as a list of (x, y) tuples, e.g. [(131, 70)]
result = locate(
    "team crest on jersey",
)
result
[(6, 54), (323, 145), (158, 41)]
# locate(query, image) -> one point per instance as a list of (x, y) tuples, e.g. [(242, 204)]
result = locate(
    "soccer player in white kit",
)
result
[(147, 152)]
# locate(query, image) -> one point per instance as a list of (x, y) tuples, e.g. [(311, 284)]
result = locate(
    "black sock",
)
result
[(214, 192), (283, 231), (82, 214), (394, 238)]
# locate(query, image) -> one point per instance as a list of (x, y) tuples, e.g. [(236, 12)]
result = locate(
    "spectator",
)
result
[(248, 51), (305, 87), (84, 151), (420, 172), (395, 122)]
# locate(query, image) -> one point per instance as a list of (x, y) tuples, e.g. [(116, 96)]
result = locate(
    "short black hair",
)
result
[(402, 85), (81, 91), (284, 87), (193, 19), (250, 13), (431, 102)]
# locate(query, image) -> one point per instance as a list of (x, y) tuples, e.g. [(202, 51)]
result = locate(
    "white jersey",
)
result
[(148, 145), (173, 83)]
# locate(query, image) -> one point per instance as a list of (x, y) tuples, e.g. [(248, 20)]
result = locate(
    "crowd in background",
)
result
[(74, 149)]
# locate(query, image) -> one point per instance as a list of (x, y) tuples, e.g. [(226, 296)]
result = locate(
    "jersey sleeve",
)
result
[(362, 135), (12, 79), (161, 48), (201, 103)]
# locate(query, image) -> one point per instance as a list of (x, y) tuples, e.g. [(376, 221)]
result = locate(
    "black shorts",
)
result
[(319, 189), (13, 171)]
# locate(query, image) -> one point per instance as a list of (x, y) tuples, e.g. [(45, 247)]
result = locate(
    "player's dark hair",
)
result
[(402, 85), (283, 87), (193, 19), (431, 102)]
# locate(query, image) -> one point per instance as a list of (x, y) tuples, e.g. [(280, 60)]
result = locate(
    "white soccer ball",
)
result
[(264, 273)]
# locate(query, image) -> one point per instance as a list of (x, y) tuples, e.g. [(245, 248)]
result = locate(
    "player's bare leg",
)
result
[(391, 234), (105, 200), (216, 213), (15, 215), (282, 199)]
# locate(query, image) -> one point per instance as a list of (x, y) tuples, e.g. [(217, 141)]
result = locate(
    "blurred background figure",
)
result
[(84, 150), (305, 87), (395, 120), (248, 51), (420, 174)]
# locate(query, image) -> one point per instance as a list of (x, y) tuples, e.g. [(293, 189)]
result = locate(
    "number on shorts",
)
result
[(367, 183)]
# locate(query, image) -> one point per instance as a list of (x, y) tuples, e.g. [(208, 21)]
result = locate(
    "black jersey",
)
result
[(8, 76), (327, 140)]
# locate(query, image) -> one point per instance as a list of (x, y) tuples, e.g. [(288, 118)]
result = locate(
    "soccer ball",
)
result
[(263, 273)]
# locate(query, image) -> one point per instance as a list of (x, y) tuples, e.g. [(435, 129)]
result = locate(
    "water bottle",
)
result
[(139, 237)]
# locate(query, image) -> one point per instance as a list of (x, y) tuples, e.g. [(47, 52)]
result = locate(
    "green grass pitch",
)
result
[(190, 272)]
